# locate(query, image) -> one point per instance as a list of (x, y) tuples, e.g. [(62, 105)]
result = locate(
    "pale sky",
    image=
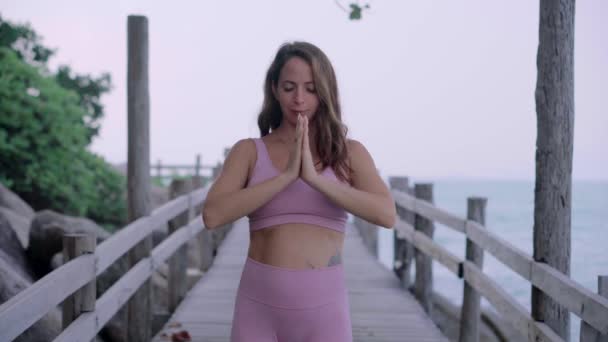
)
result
[(433, 89)]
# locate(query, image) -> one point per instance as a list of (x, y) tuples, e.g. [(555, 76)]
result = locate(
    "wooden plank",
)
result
[(109, 303), (168, 246), (380, 309), (428, 210), (116, 296), (513, 312), (429, 247), (501, 249), (139, 313), (470, 317), (28, 306), (587, 333), (83, 300), (121, 242), (178, 262), (403, 250), (589, 306), (423, 279)]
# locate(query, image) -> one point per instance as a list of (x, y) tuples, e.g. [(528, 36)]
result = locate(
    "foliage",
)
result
[(46, 123), (355, 9), (29, 48)]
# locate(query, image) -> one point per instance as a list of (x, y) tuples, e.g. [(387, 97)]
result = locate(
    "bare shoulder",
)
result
[(364, 174), (357, 152), (236, 167), (245, 146)]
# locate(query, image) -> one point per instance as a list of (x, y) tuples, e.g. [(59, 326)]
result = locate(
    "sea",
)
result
[(510, 214)]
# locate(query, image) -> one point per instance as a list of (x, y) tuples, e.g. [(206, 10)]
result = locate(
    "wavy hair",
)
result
[(330, 131)]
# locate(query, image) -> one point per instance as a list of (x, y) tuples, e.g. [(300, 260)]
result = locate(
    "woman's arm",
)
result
[(368, 198), (228, 199)]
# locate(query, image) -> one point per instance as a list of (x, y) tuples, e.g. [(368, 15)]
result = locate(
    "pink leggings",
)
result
[(276, 304)]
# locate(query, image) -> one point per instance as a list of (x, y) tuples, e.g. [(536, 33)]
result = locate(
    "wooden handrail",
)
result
[(88, 324), (592, 308), (30, 305)]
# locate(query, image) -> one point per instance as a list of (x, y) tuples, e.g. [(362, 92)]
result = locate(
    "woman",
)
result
[(296, 184)]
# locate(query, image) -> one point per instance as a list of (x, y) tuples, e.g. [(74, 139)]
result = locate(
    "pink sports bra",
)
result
[(297, 203)]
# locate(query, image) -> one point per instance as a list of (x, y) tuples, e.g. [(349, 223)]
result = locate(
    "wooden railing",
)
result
[(73, 284), (194, 170), (591, 307)]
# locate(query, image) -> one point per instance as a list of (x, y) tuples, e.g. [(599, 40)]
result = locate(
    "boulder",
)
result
[(9, 199), (19, 223), (11, 283), (12, 251), (46, 237)]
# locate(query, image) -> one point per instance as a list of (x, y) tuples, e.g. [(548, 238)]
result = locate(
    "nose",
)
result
[(299, 95)]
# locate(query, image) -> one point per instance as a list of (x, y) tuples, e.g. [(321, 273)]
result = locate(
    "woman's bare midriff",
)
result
[(297, 246)]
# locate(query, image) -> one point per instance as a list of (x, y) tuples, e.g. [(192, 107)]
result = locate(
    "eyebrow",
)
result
[(309, 82)]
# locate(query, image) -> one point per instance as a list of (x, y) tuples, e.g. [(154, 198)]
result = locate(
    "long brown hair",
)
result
[(330, 131)]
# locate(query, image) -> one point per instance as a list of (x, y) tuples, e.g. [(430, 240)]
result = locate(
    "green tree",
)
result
[(46, 123), (29, 48)]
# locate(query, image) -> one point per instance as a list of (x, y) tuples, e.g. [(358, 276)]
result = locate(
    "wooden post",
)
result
[(139, 315), (83, 300), (470, 315), (588, 333), (197, 166), (554, 149), (178, 262), (423, 286), (404, 251)]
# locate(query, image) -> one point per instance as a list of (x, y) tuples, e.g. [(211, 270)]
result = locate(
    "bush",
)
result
[(43, 140)]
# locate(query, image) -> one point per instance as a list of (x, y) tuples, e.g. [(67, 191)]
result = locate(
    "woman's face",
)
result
[(295, 90)]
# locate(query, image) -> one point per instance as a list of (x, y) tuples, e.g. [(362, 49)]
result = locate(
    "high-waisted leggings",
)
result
[(276, 304)]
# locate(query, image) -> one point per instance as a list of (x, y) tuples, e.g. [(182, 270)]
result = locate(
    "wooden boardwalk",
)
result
[(380, 309)]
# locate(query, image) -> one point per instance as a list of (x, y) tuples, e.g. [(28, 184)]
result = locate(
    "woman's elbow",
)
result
[(389, 218), (388, 221), (210, 220)]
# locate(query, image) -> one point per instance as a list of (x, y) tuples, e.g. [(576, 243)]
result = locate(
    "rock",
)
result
[(19, 223), (46, 237), (12, 251), (11, 283), (9, 199)]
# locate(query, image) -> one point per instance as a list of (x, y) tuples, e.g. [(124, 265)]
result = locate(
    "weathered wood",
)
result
[(380, 310), (588, 333), (83, 300), (426, 245), (508, 307), (403, 251), (574, 297), (89, 324), (471, 300), (554, 148), (138, 181), (30, 305), (423, 285), (501, 249), (579, 300), (431, 212), (178, 263)]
